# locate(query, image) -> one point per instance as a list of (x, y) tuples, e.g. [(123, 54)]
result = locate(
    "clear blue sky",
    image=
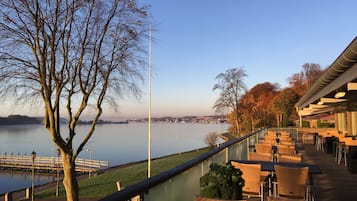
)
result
[(197, 39)]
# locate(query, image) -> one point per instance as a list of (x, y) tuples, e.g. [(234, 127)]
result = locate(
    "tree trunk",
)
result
[(252, 122), (286, 116), (70, 180), (237, 123)]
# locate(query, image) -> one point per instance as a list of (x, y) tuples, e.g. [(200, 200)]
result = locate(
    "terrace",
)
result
[(334, 94), (335, 182)]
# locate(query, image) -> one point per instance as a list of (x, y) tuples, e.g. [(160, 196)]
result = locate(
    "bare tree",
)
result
[(72, 54), (231, 87), (312, 72), (211, 139), (303, 81)]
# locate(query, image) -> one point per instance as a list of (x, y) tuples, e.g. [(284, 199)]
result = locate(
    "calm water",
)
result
[(117, 144)]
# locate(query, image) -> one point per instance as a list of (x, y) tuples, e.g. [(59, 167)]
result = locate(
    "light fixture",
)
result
[(320, 103), (340, 94)]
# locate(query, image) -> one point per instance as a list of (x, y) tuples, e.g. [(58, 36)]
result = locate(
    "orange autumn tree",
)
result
[(283, 105), (256, 106)]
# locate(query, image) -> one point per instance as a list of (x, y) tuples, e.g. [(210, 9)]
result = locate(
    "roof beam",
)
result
[(312, 111), (315, 109), (306, 112), (316, 106), (351, 86), (331, 100)]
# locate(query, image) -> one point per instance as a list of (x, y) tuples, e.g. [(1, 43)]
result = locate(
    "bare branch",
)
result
[(71, 54)]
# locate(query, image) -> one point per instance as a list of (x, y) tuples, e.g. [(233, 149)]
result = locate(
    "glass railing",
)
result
[(182, 182)]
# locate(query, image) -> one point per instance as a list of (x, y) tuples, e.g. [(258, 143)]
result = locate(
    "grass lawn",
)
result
[(105, 183)]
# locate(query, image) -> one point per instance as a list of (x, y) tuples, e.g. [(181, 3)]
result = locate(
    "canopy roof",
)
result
[(341, 76)]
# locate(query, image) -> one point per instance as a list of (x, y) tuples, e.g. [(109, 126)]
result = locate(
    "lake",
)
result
[(116, 143)]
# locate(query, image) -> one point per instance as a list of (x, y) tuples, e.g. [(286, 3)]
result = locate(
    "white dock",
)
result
[(49, 164)]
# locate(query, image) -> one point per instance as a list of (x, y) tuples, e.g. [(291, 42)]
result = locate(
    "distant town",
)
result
[(26, 120), (187, 119)]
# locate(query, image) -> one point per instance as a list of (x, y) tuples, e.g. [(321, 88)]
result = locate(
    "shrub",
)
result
[(222, 182), (324, 124), (305, 124)]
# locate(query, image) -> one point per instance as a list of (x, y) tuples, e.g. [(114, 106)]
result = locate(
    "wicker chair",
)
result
[(270, 133), (342, 149), (292, 183), (255, 156), (288, 143), (263, 148), (253, 186), (289, 158), (199, 198), (286, 149)]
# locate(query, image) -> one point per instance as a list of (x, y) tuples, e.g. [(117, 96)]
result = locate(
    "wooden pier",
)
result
[(47, 164)]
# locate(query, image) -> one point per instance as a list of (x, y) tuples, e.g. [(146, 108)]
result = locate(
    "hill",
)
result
[(19, 119)]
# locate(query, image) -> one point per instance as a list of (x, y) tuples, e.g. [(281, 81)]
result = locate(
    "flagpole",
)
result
[(149, 115)]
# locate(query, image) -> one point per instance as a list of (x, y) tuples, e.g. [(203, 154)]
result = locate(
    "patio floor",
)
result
[(335, 182)]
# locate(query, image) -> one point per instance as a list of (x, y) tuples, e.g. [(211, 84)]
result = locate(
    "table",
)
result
[(269, 165)]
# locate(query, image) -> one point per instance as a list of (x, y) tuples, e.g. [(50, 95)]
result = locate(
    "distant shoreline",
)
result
[(26, 120), (19, 120)]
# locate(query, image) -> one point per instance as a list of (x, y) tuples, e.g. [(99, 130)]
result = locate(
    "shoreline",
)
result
[(20, 194)]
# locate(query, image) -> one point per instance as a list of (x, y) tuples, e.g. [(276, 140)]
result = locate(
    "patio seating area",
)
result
[(335, 182), (280, 168)]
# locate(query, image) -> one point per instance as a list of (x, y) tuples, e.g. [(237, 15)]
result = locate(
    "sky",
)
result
[(195, 40)]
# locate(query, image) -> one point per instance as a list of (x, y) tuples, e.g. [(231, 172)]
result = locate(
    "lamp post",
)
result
[(58, 167), (149, 108), (33, 175), (90, 158)]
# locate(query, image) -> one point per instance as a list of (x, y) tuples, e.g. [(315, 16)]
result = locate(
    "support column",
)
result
[(352, 118), (354, 123), (349, 122)]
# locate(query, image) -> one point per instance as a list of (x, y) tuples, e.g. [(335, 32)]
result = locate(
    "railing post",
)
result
[(297, 134), (227, 155), (8, 196), (248, 144), (27, 193), (202, 166), (119, 186)]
